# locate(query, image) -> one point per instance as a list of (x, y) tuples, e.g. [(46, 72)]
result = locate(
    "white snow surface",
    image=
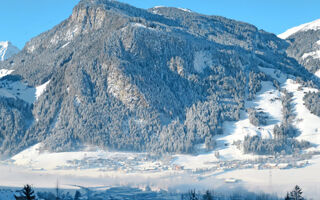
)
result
[(159, 6), (313, 54), (66, 44), (33, 158), (139, 25), (7, 50), (317, 73), (41, 88), (5, 72), (315, 25), (185, 10)]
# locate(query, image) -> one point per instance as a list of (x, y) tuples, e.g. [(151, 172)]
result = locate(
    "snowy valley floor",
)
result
[(276, 181)]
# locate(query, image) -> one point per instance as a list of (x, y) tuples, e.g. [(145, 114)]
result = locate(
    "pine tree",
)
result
[(193, 195), (207, 196), (27, 193), (57, 191), (296, 193), (77, 195), (287, 197)]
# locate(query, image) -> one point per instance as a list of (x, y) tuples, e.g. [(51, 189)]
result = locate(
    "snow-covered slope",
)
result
[(12, 87), (268, 100), (5, 72), (41, 89), (304, 46), (7, 50), (17, 89), (224, 162), (306, 122), (315, 25)]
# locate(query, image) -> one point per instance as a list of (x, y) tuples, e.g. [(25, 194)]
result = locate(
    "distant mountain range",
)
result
[(161, 80), (7, 50)]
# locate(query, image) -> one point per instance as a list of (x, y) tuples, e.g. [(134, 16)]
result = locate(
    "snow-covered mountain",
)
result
[(305, 45), (314, 25), (160, 80), (7, 50), (113, 82)]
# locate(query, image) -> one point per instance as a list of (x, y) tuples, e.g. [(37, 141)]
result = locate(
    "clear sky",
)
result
[(20, 20)]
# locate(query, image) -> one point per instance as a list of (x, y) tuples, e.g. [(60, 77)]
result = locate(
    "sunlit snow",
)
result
[(41, 88), (315, 25)]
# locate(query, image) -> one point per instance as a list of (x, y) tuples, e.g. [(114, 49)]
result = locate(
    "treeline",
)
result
[(28, 193), (240, 195), (295, 194), (258, 145), (286, 129)]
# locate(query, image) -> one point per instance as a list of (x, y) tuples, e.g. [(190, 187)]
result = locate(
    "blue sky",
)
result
[(23, 19)]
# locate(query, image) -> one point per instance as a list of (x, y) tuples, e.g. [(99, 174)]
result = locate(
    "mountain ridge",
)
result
[(314, 25)]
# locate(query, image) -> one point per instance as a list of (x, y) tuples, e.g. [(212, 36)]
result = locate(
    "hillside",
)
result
[(123, 78)]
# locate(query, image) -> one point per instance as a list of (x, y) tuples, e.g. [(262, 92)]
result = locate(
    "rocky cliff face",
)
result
[(161, 80)]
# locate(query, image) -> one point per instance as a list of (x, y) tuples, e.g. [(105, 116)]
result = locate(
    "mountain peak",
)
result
[(4, 44), (314, 25), (7, 50), (97, 9), (106, 3)]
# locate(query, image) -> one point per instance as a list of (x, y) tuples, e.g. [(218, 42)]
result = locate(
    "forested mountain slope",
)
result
[(162, 80)]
